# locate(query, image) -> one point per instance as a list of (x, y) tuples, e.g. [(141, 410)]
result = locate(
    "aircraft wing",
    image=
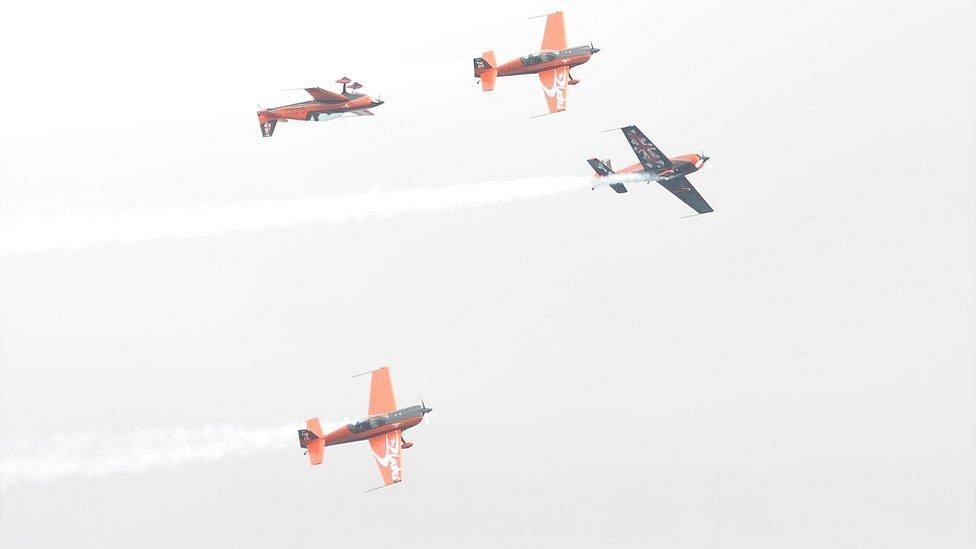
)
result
[(381, 399), (555, 36), (683, 189), (388, 455), (325, 96), (555, 83), (649, 155)]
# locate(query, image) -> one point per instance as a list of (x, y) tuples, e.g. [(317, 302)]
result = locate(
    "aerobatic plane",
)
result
[(654, 165), (552, 64), (383, 428), (325, 105)]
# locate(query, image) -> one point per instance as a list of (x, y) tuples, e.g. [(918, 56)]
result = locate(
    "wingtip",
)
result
[(545, 14), (370, 371), (381, 487)]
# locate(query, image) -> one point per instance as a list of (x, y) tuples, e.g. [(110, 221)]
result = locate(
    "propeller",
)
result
[(704, 158), (425, 410)]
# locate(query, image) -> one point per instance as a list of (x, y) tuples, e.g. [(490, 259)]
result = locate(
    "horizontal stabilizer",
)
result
[(267, 124), (600, 167), (484, 63), (488, 79), (485, 69), (311, 439)]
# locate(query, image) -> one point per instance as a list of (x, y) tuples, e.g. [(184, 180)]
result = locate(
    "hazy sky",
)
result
[(795, 369)]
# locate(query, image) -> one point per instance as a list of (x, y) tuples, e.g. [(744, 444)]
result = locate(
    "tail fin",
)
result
[(311, 440), (603, 169), (485, 69), (267, 124)]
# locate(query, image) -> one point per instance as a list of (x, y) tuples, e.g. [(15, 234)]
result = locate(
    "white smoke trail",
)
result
[(52, 457), (33, 234)]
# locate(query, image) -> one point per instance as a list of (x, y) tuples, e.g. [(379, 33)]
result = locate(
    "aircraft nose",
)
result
[(594, 50), (378, 102)]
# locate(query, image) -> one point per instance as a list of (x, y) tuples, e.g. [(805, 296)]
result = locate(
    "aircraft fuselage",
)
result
[(681, 165), (372, 426), (547, 60), (313, 110)]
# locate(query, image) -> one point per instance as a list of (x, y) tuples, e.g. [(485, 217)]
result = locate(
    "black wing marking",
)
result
[(649, 155), (683, 189)]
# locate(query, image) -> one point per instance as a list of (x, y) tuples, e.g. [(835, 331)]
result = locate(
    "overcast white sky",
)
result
[(795, 369)]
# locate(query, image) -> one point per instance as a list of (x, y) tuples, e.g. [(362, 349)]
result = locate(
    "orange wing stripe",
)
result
[(555, 35), (381, 399), (326, 96)]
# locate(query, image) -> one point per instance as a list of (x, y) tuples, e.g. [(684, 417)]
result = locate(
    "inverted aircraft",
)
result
[(654, 165), (552, 64), (383, 428), (325, 105)]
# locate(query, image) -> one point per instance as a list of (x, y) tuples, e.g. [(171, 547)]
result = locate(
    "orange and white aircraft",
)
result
[(552, 64), (325, 105), (383, 428)]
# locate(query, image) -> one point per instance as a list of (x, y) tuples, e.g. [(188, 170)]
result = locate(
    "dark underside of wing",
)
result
[(683, 189)]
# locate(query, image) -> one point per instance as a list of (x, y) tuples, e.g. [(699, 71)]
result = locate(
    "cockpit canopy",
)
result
[(368, 423), (539, 58)]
